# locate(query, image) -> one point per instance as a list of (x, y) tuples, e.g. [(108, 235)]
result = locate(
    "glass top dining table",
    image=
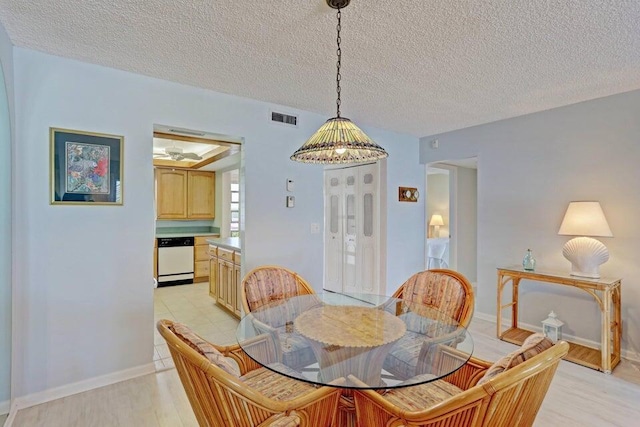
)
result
[(354, 340)]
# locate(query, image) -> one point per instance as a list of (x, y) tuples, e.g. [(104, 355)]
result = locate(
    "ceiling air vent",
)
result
[(284, 118)]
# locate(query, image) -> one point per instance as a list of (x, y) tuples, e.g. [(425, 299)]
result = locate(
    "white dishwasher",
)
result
[(175, 261)]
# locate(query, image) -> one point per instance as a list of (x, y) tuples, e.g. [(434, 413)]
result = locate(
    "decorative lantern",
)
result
[(552, 327)]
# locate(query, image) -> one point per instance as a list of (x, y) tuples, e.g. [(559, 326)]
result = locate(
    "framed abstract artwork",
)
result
[(86, 168)]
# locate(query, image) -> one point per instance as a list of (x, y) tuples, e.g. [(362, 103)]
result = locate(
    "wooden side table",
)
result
[(605, 291)]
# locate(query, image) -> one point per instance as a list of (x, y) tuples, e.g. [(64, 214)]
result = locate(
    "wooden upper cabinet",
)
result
[(183, 194), (171, 193), (201, 195)]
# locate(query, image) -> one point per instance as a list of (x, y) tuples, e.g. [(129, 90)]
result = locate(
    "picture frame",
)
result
[(86, 168)]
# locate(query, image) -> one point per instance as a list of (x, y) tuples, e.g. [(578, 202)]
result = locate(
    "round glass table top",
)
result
[(354, 340)]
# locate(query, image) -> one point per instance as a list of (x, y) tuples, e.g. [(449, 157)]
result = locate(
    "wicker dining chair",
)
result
[(272, 285), (446, 291), (268, 283), (435, 298), (249, 395), (505, 394)]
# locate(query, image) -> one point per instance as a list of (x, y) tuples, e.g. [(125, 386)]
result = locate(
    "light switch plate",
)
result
[(290, 185), (291, 201)]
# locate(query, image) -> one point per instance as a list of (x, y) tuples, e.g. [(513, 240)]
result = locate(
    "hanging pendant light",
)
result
[(339, 140)]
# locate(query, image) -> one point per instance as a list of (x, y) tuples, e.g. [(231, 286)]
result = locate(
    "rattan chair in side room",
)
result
[(507, 397), (444, 296), (271, 285), (251, 396)]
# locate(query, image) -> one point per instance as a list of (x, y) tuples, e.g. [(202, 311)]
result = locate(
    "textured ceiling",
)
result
[(420, 66)]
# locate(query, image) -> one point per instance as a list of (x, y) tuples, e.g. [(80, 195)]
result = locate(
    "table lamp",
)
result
[(436, 222), (585, 219)]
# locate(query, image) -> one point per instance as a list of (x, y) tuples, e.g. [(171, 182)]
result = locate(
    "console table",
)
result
[(605, 291)]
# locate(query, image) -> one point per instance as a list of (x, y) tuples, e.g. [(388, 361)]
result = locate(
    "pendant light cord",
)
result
[(339, 53), (339, 140)]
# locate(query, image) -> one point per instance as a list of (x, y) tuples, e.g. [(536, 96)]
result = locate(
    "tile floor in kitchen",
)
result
[(192, 305)]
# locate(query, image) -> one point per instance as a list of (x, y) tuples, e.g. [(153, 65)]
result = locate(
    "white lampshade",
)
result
[(585, 219), (436, 220)]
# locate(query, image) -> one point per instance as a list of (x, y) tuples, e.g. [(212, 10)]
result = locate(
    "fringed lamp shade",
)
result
[(339, 140)]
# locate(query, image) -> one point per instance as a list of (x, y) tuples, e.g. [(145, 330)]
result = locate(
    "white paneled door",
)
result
[(352, 224)]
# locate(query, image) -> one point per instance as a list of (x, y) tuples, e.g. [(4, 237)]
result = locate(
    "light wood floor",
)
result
[(578, 396)]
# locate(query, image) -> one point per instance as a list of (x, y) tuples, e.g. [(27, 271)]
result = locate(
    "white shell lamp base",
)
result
[(586, 255)]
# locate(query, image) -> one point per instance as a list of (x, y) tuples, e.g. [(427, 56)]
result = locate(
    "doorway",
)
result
[(451, 215), (352, 229), (438, 205), (207, 202)]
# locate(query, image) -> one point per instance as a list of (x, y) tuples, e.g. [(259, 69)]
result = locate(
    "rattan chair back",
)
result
[(511, 398), (446, 291), (219, 398), (267, 283)]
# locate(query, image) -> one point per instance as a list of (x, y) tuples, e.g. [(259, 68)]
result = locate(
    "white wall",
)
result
[(466, 222), (405, 222), (529, 169), (84, 287), (6, 56), (6, 112)]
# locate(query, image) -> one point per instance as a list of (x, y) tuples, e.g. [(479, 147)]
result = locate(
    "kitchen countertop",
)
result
[(186, 231), (184, 234), (232, 243)]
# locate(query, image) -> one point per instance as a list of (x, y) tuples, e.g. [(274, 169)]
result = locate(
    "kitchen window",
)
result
[(234, 226)]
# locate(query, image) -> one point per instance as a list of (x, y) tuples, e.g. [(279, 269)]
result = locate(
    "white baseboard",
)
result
[(12, 414), (506, 323), (82, 386)]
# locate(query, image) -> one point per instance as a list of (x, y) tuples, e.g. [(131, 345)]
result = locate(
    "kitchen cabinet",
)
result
[(201, 266), (184, 194), (171, 193), (155, 259), (213, 272), (225, 282), (201, 194), (237, 278), (226, 296)]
